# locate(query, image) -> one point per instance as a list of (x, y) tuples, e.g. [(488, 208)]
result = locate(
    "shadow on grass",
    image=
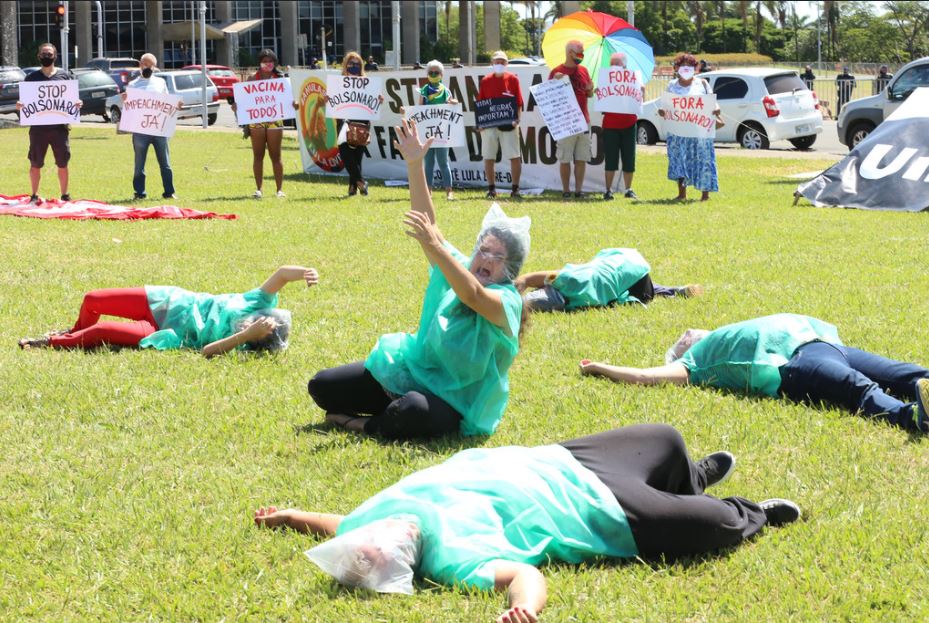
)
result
[(336, 437)]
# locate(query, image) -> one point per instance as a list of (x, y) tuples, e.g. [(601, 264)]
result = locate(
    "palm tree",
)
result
[(797, 24), (533, 6), (699, 10), (555, 11), (831, 10), (777, 9)]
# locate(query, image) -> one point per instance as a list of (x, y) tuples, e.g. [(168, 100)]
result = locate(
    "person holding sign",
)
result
[(452, 374), (791, 356), (168, 317), (147, 81), (269, 134), (434, 92), (501, 84), (619, 132), (574, 148), (691, 160), (487, 518), (613, 276), (41, 137)]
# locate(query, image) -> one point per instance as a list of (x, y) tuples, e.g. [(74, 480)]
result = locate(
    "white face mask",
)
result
[(686, 72), (499, 68)]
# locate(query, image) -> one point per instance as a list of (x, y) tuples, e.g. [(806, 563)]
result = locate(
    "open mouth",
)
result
[(483, 273)]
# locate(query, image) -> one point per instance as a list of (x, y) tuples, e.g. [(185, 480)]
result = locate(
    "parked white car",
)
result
[(188, 84), (758, 106)]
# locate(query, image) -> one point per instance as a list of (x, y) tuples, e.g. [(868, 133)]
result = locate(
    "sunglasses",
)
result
[(435, 73)]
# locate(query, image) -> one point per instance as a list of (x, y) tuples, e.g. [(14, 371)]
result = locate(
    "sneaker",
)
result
[(280, 194), (921, 412), (779, 511), (138, 197), (364, 189), (491, 194), (630, 194), (566, 195), (717, 467), (35, 199), (449, 196), (578, 195), (66, 197), (168, 196), (608, 195), (257, 194), (691, 290), (515, 195)]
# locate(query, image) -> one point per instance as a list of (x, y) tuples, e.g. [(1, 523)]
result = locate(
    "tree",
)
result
[(912, 20), (798, 24)]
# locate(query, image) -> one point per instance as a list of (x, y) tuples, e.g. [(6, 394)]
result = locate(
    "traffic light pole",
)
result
[(64, 37)]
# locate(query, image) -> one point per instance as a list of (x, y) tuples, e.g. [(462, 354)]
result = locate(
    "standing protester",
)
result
[(140, 142), (354, 135), (574, 148), (844, 85), (435, 92), (691, 161), (619, 130), (882, 80), (371, 65), (501, 83), (41, 137), (808, 77), (268, 134)]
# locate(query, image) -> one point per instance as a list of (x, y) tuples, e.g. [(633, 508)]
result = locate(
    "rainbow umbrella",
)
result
[(601, 35)]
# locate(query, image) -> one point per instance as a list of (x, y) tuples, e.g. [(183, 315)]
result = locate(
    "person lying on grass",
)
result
[(452, 374), (613, 276), (487, 518), (797, 357), (168, 317)]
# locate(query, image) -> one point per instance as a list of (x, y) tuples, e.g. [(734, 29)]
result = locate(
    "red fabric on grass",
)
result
[(18, 205)]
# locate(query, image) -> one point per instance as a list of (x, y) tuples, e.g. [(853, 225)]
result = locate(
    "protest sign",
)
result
[(618, 90), (443, 123), (558, 106), (49, 103), (262, 101), (689, 115), (495, 112), (353, 97), (147, 112)]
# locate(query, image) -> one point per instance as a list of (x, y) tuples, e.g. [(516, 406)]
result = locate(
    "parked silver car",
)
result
[(188, 85)]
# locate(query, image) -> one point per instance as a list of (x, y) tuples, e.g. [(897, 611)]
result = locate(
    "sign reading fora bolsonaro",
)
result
[(889, 170)]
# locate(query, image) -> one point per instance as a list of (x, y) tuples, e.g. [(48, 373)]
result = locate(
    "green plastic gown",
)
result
[(602, 281), (456, 354), (194, 319), (747, 356), (529, 505)]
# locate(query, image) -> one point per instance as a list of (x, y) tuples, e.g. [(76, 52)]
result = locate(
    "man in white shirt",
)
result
[(147, 81)]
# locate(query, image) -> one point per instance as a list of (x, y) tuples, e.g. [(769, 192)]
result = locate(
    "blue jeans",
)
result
[(854, 380), (140, 143), (440, 155)]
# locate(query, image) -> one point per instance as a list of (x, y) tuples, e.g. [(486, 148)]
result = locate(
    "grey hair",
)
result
[(278, 338), (618, 56), (516, 250), (436, 64)]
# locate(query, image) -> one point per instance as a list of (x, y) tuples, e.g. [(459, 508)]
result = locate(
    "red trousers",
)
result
[(89, 332)]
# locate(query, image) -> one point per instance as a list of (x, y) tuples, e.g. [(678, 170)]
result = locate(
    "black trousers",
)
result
[(645, 290), (352, 157), (661, 491), (352, 390)]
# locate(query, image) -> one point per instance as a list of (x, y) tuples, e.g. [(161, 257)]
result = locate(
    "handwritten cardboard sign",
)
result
[(443, 123), (689, 115), (353, 97), (495, 112), (49, 103), (618, 90), (147, 112), (262, 101), (559, 108)]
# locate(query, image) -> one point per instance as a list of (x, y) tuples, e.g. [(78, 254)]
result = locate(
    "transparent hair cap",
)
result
[(379, 556), (683, 344), (279, 338), (512, 232)]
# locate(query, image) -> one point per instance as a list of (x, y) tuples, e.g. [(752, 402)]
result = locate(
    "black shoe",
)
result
[(779, 511), (717, 467), (138, 197), (364, 189), (35, 199), (491, 194), (168, 196), (565, 195), (578, 195), (514, 194), (608, 195), (66, 197), (352, 190), (630, 194)]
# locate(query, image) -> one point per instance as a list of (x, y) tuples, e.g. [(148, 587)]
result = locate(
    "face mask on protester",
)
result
[(436, 79), (267, 67), (686, 72), (354, 69), (46, 60), (146, 72), (499, 68)]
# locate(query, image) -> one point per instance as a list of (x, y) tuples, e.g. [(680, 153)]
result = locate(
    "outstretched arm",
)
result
[(535, 280), (285, 274), (526, 590), (324, 524), (413, 153), (674, 373)]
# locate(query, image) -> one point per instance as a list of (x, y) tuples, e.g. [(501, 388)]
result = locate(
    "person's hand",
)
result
[(420, 228), (324, 98), (233, 106), (452, 101), (557, 75), (259, 329), (590, 368), (123, 96), (515, 123), (402, 110), (311, 277), (180, 105), (407, 142), (661, 113), (518, 614), (79, 103), (380, 98), (296, 106), (270, 517), (19, 105), (718, 113), (520, 284)]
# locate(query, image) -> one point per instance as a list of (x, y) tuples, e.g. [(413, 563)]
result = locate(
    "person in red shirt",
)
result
[(619, 139), (501, 83), (575, 148)]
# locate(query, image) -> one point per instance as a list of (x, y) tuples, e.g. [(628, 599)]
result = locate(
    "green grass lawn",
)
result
[(128, 479)]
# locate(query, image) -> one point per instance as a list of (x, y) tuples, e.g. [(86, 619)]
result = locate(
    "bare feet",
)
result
[(352, 423), (691, 290), (270, 517)]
